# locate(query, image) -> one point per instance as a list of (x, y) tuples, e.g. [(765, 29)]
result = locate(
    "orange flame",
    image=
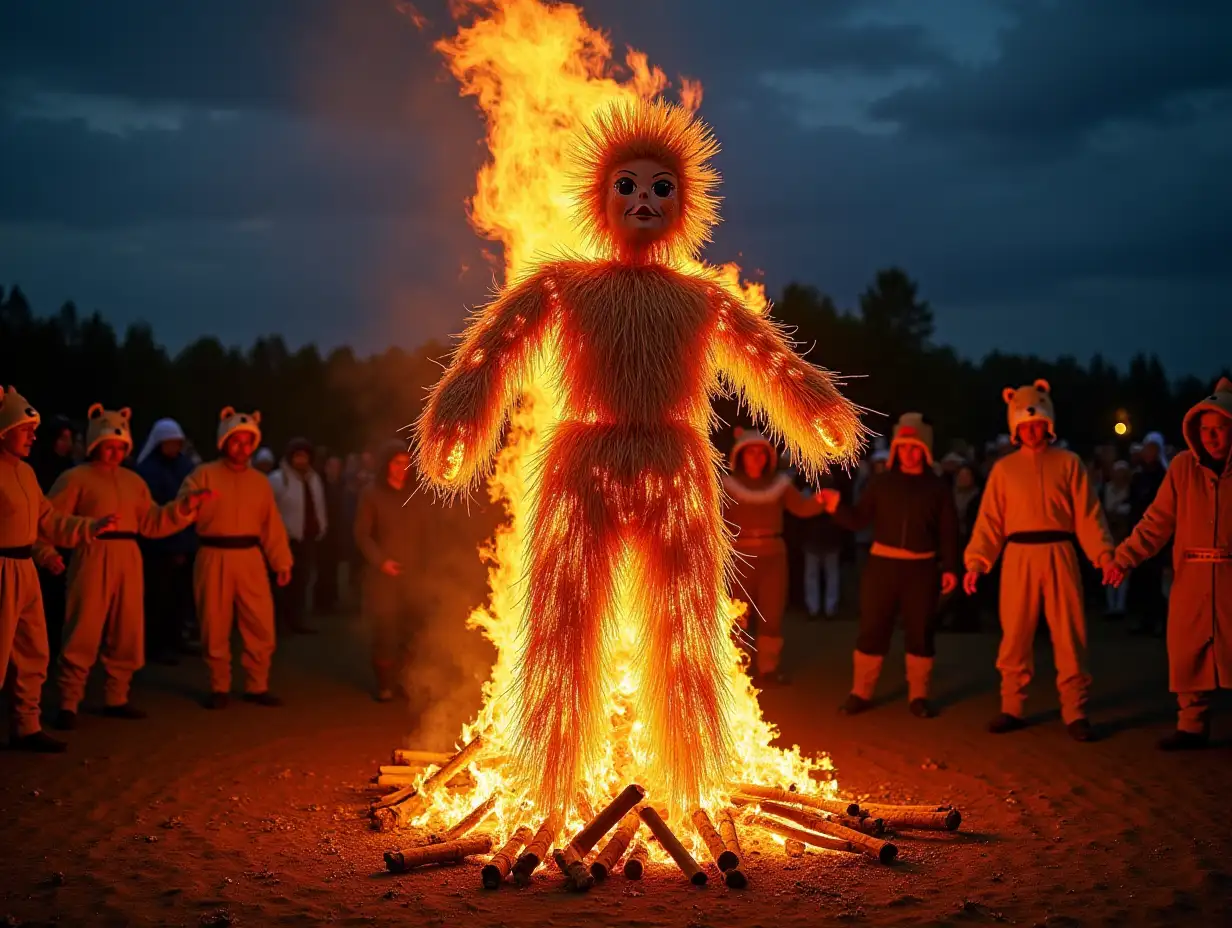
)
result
[(539, 73)]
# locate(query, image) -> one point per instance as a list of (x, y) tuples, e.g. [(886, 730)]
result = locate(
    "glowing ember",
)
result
[(539, 73)]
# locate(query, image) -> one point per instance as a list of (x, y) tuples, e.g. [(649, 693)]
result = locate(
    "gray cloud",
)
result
[(301, 166)]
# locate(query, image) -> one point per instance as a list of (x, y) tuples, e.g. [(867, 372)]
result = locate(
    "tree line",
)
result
[(66, 361)]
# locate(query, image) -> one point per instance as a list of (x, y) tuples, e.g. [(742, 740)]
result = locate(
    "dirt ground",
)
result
[(255, 816)]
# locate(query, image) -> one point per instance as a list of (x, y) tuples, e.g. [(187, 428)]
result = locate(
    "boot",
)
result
[(1184, 741), (1005, 723), (919, 673), (124, 711), (1080, 730), (38, 742), (66, 720), (854, 705), (769, 651), (217, 701), (866, 668), (263, 699)]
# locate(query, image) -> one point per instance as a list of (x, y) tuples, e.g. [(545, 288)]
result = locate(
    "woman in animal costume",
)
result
[(1038, 503), (1193, 509), (637, 340), (757, 496), (912, 563), (26, 517), (106, 585), (238, 530)]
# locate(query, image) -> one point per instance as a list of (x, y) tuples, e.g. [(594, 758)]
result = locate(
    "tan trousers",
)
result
[(1034, 578), (1194, 715), (23, 641), (105, 608), (761, 568), (233, 587)]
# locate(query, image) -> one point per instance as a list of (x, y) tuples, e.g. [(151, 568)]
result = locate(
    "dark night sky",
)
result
[(1055, 174)]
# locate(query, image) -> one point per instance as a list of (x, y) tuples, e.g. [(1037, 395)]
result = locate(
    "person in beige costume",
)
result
[(106, 583), (239, 530), (1038, 504), (1193, 507), (26, 517)]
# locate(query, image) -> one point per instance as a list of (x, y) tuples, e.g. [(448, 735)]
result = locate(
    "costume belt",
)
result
[(900, 554), (1208, 555), (19, 553), (229, 542), (1044, 537), (117, 536)]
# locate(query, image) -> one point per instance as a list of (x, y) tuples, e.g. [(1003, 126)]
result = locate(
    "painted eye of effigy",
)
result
[(625, 186), (663, 188)]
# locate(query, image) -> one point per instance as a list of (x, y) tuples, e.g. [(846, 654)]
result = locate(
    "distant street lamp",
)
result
[(1121, 426)]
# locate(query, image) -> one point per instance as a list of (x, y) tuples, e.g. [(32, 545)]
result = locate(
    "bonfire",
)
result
[(539, 74)]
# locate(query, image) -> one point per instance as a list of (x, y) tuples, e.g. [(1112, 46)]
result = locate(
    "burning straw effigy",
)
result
[(611, 840)]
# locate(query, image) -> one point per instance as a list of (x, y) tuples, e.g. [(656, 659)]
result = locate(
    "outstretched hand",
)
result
[(98, 526), (970, 582), (949, 582), (193, 500), (830, 498), (1114, 574)]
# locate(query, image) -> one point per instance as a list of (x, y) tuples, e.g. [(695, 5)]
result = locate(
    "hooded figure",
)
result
[(170, 618), (26, 517), (106, 586), (1193, 509), (1037, 505), (392, 540), (757, 496), (238, 531), (913, 559)]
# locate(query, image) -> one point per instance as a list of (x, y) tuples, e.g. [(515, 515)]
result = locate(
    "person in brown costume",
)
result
[(388, 537), (912, 563), (757, 496), (27, 518), (1193, 508)]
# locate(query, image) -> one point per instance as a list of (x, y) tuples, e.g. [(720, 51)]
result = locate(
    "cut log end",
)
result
[(735, 879)]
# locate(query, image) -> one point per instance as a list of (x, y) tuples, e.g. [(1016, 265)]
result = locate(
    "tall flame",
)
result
[(539, 73)]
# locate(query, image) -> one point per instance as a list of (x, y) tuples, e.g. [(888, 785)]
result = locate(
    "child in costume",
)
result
[(1193, 509), (106, 585), (912, 563), (637, 341), (239, 530), (26, 517), (1038, 503), (757, 496)]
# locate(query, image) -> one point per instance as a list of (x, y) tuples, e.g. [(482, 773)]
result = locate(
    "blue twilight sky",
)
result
[(1055, 174)]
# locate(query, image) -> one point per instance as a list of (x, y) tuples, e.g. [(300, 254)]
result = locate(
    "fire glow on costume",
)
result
[(627, 489)]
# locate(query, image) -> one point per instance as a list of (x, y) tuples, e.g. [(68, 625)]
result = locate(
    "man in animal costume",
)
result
[(106, 585), (757, 496), (912, 562), (238, 531), (26, 517), (1038, 503), (1193, 509), (637, 336)]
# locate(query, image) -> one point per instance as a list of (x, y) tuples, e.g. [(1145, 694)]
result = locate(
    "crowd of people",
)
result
[(938, 541), (107, 556)]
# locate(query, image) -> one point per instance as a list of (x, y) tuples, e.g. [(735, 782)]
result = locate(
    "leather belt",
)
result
[(1208, 555), (1043, 537), (117, 536), (229, 542), (19, 553)]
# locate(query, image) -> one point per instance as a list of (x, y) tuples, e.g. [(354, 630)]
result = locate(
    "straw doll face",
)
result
[(642, 202)]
